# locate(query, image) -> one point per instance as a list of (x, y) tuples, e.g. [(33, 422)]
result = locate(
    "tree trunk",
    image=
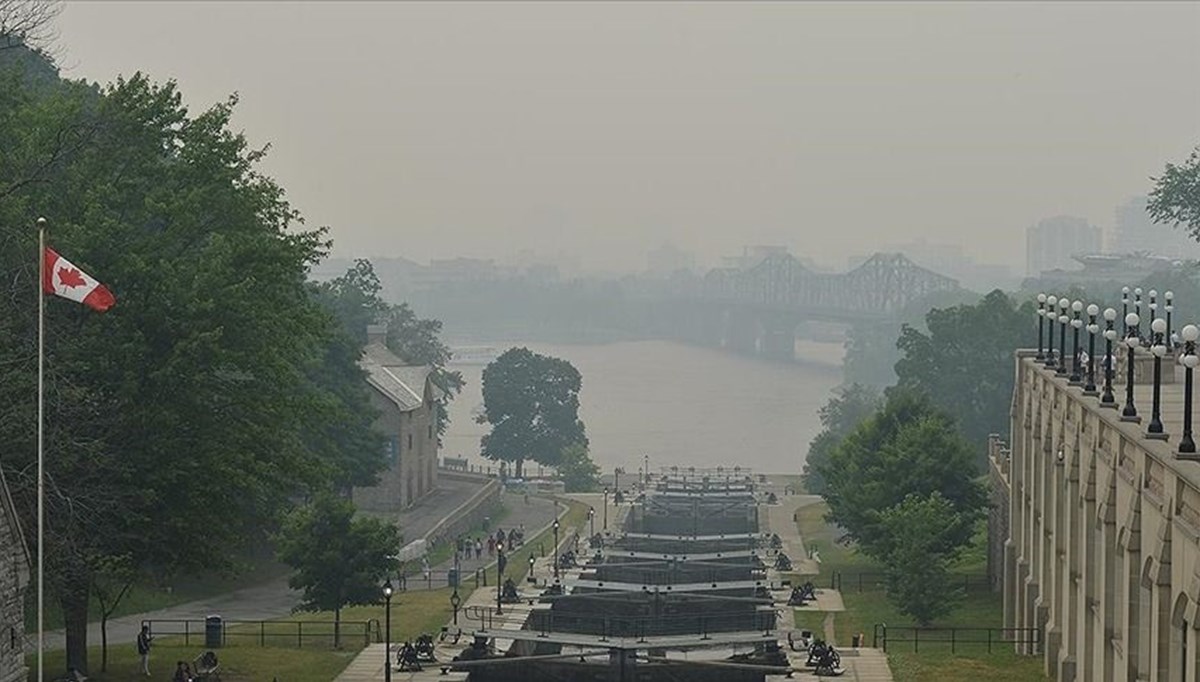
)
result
[(337, 628), (104, 642), (520, 468), (74, 600)]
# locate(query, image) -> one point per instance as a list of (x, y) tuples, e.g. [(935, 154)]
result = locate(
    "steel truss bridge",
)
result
[(756, 309), (881, 287)]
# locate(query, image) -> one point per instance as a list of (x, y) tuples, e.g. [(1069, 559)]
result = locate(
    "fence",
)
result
[(956, 638), (274, 633), (605, 627), (877, 580)]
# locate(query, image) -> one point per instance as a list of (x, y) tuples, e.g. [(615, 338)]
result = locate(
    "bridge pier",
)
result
[(778, 340)]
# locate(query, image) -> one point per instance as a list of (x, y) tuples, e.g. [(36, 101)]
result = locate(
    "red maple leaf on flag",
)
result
[(71, 277)]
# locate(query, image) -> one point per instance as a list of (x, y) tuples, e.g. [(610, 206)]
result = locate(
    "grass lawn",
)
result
[(145, 597), (811, 620), (932, 661)]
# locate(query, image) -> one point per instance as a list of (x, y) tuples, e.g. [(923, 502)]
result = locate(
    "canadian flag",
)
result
[(62, 278)]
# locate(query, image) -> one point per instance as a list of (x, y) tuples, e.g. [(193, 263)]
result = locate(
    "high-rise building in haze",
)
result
[(1050, 244), (1134, 231)]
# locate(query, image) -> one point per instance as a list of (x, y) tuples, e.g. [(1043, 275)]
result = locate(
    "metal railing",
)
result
[(865, 581), (956, 638), (274, 633), (605, 627)]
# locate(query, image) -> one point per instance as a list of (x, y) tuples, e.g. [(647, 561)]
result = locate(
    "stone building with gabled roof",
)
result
[(14, 580), (406, 399)]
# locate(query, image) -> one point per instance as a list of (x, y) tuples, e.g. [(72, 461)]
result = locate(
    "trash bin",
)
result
[(452, 577), (212, 632)]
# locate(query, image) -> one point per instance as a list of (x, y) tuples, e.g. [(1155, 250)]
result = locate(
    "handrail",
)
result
[(955, 636), (264, 630)]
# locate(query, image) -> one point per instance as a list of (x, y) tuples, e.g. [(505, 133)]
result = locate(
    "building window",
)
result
[(410, 441), (390, 450)]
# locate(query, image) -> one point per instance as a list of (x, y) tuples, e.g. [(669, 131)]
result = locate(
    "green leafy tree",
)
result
[(1175, 198), (531, 402), (925, 534), (354, 298), (907, 448), (848, 407), (417, 340), (182, 420), (339, 560), (964, 362), (577, 471)]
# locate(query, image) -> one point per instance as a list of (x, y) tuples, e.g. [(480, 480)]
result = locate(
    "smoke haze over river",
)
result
[(681, 405)]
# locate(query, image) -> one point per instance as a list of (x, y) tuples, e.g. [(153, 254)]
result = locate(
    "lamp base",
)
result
[(1133, 420), (1158, 436), (1091, 392), (1188, 456), (1112, 405)]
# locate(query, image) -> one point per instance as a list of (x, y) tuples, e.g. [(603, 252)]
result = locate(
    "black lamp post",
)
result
[(532, 577), (1168, 308), (1137, 308), (605, 507), (456, 600), (1107, 399), (1189, 334), (1092, 328), (1132, 341), (1155, 428), (1063, 305), (592, 520), (1124, 311), (1051, 316), (500, 562), (555, 525), (387, 631), (1041, 314), (1153, 309), (1076, 308)]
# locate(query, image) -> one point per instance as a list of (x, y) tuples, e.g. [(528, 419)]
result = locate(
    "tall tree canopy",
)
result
[(1175, 198), (354, 298), (532, 404), (339, 560), (965, 361), (907, 448), (848, 407), (189, 415)]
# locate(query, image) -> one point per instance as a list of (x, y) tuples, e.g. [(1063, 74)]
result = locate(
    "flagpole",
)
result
[(41, 492)]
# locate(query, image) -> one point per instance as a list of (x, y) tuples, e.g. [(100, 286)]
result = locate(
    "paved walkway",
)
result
[(368, 666), (863, 664), (533, 514), (274, 599)]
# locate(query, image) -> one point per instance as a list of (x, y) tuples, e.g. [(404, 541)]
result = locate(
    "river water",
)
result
[(681, 405)]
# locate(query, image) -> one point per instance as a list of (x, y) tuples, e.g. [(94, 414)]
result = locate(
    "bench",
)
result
[(206, 667)]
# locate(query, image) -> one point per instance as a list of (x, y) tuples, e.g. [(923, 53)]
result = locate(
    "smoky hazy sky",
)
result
[(606, 129)]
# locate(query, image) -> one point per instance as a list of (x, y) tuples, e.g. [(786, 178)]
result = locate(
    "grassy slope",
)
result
[(933, 662), (413, 613)]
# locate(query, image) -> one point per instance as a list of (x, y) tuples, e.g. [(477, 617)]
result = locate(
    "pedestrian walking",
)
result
[(491, 546), (143, 648), (478, 548)]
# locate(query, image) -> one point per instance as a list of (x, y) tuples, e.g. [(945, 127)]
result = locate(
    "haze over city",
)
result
[(600, 131)]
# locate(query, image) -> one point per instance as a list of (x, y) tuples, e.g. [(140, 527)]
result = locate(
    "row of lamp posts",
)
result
[(1159, 341)]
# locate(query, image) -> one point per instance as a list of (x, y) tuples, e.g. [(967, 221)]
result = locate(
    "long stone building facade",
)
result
[(406, 399), (14, 580), (1097, 530)]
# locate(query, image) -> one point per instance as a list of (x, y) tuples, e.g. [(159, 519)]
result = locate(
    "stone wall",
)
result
[(998, 488), (412, 457), (1102, 552), (14, 579)]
